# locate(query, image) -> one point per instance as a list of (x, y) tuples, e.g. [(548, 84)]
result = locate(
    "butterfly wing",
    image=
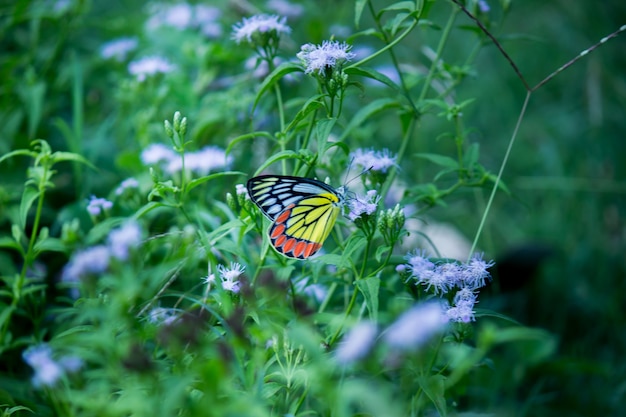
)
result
[(303, 212)]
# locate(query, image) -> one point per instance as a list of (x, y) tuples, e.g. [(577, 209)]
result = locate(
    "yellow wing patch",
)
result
[(303, 212)]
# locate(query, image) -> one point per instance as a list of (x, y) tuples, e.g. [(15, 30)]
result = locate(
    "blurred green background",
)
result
[(560, 236)]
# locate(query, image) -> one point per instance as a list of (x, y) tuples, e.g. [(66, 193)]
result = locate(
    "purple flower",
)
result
[(321, 58), (419, 264), (284, 8), (379, 161), (122, 239), (94, 260), (207, 159), (119, 48), (47, 370), (462, 311), (156, 153), (356, 343), (360, 206), (98, 205), (245, 30), (415, 326), (475, 272), (229, 276), (150, 65), (125, 185)]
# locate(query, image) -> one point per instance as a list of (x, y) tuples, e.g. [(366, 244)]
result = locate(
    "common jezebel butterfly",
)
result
[(303, 211)]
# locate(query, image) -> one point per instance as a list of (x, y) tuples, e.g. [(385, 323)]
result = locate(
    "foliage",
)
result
[(138, 277)]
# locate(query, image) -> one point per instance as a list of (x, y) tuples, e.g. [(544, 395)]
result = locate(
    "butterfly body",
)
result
[(302, 211)]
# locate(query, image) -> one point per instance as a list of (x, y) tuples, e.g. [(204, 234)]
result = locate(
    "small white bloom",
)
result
[(415, 326), (321, 58), (259, 24), (119, 48), (357, 342), (241, 189), (162, 315), (150, 65), (229, 276)]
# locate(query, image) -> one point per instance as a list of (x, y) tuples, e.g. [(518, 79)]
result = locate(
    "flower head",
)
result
[(162, 315), (284, 8), (327, 56), (150, 65), (157, 152), (229, 276), (419, 264), (119, 48), (47, 370), (126, 184), (260, 29), (122, 239), (94, 260), (461, 312), (98, 205), (369, 159), (207, 159), (357, 342), (416, 326), (475, 272), (363, 206)]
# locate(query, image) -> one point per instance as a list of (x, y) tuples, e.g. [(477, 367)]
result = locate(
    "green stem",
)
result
[(442, 43), (497, 182), (354, 294)]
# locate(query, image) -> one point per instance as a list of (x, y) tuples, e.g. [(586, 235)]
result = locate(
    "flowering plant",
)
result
[(138, 277)]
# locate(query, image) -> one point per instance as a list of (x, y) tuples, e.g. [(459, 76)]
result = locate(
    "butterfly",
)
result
[(303, 211)]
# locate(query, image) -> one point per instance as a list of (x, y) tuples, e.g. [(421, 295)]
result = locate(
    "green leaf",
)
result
[(198, 181), (409, 6), (370, 287), (356, 242), (280, 71), (148, 208), (368, 111), (372, 74), (380, 251), (277, 157), (102, 229), (247, 136), (10, 243), (359, 6), (72, 157), (50, 244), (309, 106), (471, 155), (18, 152), (5, 314), (322, 131), (441, 160), (28, 198), (434, 388)]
